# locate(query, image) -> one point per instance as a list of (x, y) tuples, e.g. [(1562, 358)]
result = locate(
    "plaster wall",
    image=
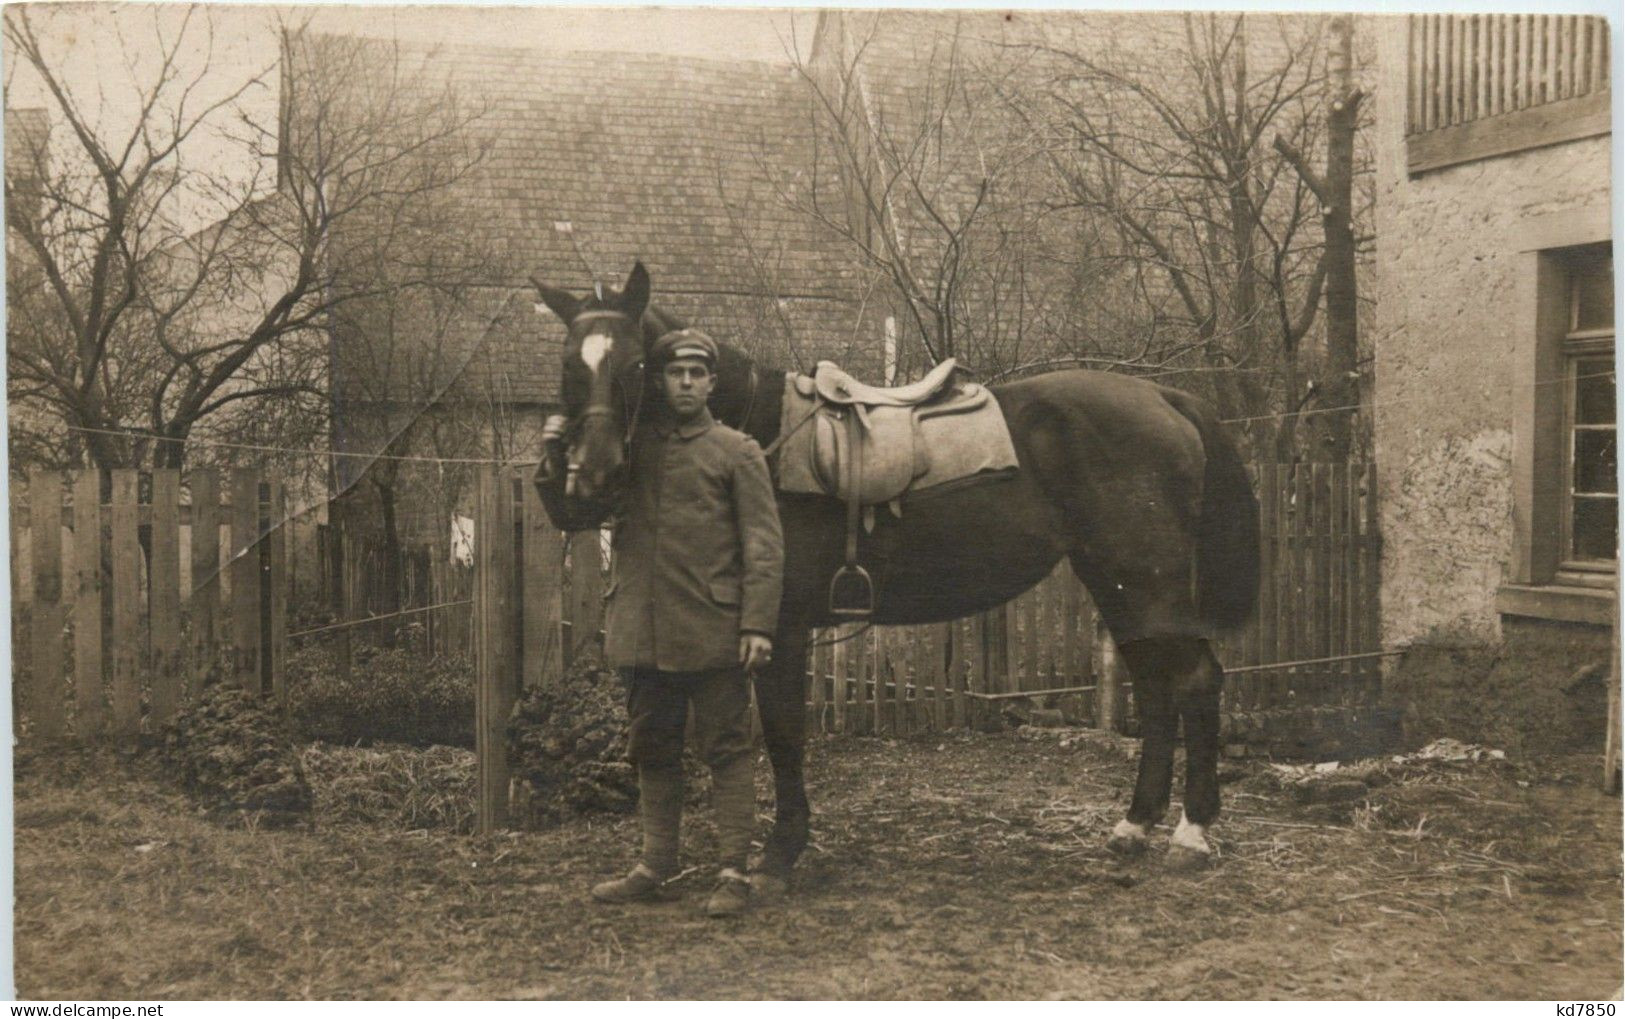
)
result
[(1448, 267)]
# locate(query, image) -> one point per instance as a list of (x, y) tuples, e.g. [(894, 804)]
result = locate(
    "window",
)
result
[(1565, 451), (1591, 461)]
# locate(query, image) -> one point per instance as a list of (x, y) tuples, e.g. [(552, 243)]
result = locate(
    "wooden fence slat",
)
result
[(164, 595), (838, 688), (243, 572), (820, 649), (277, 640), (1030, 622), (1599, 56), (90, 689), (1435, 62), (1548, 58), (586, 591), (126, 555), (1413, 79), (860, 713), (1071, 604), (541, 576), (937, 647), (1502, 36), (1371, 570), (1108, 697), (496, 679), (1355, 582), (47, 680), (1337, 591), (874, 675)]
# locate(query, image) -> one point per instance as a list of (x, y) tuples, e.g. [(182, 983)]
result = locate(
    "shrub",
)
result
[(567, 748), (391, 696), (235, 754)]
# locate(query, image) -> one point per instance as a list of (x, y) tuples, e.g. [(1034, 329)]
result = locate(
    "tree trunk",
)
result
[(1340, 387)]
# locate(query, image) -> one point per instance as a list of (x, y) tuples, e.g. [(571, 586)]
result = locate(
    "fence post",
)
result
[(126, 605), (45, 522), (1110, 705), (276, 641), (586, 590), (205, 574), (245, 578), (495, 679), (543, 572), (88, 685), (164, 593)]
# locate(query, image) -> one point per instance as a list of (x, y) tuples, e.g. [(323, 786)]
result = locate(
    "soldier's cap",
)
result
[(683, 343)]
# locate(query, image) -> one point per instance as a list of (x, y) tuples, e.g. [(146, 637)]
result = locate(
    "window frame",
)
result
[(1577, 349), (1537, 584)]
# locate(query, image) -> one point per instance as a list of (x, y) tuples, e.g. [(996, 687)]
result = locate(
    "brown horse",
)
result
[(1136, 484)]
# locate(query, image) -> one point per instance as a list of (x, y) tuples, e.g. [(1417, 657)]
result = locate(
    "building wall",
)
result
[(1451, 282)]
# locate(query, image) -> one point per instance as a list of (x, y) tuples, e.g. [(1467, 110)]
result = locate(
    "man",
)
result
[(693, 602)]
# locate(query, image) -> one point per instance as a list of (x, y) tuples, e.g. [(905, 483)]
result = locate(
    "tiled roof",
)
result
[(28, 129), (675, 161)]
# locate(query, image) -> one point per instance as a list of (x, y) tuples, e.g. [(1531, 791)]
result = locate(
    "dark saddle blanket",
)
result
[(905, 439)]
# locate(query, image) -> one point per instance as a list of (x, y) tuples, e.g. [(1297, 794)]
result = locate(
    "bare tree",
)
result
[(1186, 151), (923, 182), (136, 332)]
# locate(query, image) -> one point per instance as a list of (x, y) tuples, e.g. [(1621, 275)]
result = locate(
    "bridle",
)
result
[(632, 384), (596, 409)]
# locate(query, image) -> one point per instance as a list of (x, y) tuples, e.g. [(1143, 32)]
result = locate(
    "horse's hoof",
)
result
[(1184, 858), (767, 887), (1126, 846), (1127, 839)]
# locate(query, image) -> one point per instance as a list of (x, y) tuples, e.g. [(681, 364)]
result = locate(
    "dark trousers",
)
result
[(657, 705)]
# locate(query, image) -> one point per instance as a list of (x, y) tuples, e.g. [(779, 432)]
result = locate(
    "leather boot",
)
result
[(642, 885), (731, 896)]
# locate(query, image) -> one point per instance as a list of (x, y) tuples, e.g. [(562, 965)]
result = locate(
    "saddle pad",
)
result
[(958, 435)]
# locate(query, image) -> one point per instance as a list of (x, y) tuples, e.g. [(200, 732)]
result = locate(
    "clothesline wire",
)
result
[(499, 462)]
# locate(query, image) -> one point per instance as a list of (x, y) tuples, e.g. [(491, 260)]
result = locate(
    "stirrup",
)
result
[(863, 593)]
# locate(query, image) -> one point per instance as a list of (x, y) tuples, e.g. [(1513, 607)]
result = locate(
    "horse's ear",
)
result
[(558, 302), (635, 295)]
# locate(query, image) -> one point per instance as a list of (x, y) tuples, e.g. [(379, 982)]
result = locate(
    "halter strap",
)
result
[(597, 313)]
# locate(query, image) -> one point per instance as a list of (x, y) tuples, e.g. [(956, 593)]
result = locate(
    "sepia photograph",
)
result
[(741, 503)]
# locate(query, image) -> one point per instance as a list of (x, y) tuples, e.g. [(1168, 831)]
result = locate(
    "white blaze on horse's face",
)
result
[(594, 348)]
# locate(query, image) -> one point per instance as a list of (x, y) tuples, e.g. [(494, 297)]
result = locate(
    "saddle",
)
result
[(869, 446)]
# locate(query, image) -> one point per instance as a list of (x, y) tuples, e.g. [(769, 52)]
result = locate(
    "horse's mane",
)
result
[(657, 320)]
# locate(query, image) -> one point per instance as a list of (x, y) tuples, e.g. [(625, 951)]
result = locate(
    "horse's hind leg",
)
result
[(1174, 678), (781, 706), (1148, 664), (1197, 691)]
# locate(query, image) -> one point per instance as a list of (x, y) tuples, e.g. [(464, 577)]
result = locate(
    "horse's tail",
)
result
[(1227, 538)]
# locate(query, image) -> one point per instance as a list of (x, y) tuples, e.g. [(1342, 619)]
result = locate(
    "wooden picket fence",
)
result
[(432, 591), (538, 603), (130, 588)]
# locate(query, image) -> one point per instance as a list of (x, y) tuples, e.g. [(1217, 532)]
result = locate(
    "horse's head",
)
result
[(602, 378)]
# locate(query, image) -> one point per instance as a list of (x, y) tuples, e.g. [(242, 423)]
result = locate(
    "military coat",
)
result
[(698, 552)]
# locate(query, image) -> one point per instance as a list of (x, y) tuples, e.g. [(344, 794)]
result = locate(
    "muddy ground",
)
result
[(959, 866)]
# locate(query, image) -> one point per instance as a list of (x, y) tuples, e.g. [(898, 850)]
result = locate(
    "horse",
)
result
[(1136, 484)]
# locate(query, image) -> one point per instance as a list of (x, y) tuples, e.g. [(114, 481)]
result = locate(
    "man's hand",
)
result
[(553, 451), (755, 651)]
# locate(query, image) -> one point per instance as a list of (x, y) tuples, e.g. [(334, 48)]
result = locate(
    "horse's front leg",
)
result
[(780, 702)]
